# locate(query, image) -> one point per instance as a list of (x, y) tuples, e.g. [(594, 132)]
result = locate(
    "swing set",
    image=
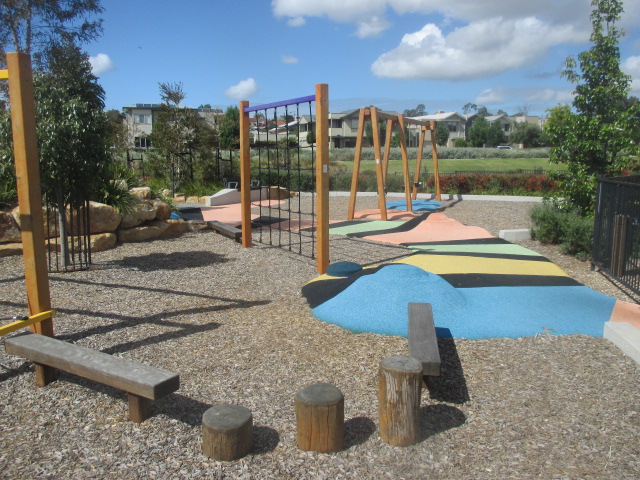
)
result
[(375, 116)]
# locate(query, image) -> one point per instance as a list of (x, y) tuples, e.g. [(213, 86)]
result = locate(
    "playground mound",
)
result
[(233, 323)]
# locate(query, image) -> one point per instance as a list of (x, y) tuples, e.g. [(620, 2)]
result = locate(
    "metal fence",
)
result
[(616, 236)]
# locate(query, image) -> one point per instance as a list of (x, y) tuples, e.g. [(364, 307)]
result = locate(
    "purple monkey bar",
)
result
[(282, 103)]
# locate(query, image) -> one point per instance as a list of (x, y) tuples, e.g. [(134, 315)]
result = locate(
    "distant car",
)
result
[(504, 147)]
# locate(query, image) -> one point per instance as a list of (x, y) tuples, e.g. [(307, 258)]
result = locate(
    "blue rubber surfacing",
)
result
[(378, 303)]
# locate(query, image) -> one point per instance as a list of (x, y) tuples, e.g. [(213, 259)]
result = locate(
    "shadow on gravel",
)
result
[(172, 261), (439, 418), (357, 430), (450, 386)]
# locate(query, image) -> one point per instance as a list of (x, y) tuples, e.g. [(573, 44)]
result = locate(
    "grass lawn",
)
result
[(472, 164)]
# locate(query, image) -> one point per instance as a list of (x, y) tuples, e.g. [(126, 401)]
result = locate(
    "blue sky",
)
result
[(394, 54)]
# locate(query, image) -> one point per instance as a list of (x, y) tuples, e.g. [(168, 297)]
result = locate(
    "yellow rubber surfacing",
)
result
[(449, 264)]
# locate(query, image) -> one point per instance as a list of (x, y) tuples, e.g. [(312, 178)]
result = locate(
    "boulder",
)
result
[(142, 212), (103, 241), (139, 234), (9, 231), (279, 193), (144, 193), (171, 227), (163, 211), (103, 218), (193, 199)]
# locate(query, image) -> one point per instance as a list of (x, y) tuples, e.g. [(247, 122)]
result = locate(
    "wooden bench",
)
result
[(142, 383), (423, 343), (226, 230)]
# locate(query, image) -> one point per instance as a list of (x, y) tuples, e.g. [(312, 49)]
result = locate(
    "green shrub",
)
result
[(571, 231), (547, 224), (578, 236), (460, 143)]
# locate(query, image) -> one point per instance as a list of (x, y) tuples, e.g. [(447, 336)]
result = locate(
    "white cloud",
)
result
[(289, 59), (101, 63), (366, 13), (631, 66), (479, 49), (550, 96), (243, 90)]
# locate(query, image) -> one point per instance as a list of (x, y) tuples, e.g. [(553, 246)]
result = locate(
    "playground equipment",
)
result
[(373, 115), (25, 147), (278, 162)]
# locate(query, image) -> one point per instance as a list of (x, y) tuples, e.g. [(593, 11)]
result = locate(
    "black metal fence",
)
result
[(616, 236), (68, 235)]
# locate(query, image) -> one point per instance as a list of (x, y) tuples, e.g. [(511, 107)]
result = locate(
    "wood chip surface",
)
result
[(232, 322)]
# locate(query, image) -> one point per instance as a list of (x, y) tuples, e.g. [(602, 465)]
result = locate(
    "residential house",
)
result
[(140, 117)]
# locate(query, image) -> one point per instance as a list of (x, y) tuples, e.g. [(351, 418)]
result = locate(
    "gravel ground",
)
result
[(233, 324)]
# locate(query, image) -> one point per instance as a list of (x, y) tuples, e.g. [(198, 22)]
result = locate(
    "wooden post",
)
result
[(399, 389), (434, 152), (227, 432), (322, 175), (377, 154), (245, 176), (618, 244), (357, 156), (387, 149), (25, 148), (320, 418), (140, 408), (405, 163), (416, 177)]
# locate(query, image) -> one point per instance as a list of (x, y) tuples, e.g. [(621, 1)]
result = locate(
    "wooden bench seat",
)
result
[(423, 343), (226, 230), (142, 383)]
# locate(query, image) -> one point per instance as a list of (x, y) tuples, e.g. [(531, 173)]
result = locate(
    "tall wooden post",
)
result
[(416, 178), (25, 148), (356, 165), (245, 176), (405, 163), (322, 175), (377, 153), (434, 151)]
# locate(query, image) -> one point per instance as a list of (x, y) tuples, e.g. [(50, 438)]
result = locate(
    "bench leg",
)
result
[(139, 408), (44, 374)]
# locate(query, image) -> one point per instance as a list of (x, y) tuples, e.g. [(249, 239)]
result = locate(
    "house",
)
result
[(456, 123), (505, 122), (140, 117)]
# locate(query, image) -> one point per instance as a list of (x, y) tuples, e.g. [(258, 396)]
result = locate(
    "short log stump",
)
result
[(320, 418), (399, 390), (227, 432)]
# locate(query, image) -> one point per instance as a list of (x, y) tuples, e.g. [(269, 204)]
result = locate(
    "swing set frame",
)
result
[(375, 116)]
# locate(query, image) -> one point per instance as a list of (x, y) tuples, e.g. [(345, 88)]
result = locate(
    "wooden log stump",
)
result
[(227, 432), (399, 389), (320, 418)]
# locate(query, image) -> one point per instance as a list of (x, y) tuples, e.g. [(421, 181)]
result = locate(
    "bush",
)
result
[(572, 232), (547, 224)]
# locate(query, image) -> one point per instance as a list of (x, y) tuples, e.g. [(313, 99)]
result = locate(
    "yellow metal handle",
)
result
[(4, 74), (38, 317)]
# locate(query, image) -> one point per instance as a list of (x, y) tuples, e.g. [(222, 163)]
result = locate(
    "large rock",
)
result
[(103, 218), (139, 234), (142, 212), (144, 193), (163, 211), (103, 241), (9, 231), (172, 227)]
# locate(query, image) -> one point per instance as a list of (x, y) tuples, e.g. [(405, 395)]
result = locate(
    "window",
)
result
[(335, 123), (453, 127), (142, 142), (142, 119)]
